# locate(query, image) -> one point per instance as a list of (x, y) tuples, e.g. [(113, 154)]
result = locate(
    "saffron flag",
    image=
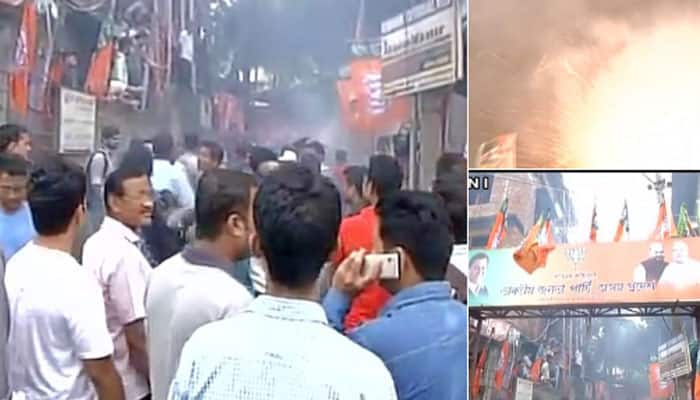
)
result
[(97, 81), (665, 228), (25, 57), (536, 369), (498, 230), (623, 226), (499, 377), (480, 366), (538, 243), (659, 389), (594, 226)]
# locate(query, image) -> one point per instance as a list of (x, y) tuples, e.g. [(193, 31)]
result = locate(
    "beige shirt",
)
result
[(122, 271)]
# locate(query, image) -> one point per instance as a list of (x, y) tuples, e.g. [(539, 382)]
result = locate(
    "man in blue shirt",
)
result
[(421, 333), (16, 226)]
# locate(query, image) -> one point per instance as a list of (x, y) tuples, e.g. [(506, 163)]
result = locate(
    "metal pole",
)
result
[(477, 345), (413, 143)]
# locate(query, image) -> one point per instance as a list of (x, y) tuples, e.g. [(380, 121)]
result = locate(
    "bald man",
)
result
[(682, 272), (651, 269)]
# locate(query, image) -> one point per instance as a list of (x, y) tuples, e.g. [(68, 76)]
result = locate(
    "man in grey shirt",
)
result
[(198, 285)]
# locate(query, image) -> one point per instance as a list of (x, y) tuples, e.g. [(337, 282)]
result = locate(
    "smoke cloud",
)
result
[(587, 83)]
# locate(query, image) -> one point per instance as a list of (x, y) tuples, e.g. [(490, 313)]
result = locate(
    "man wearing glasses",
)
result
[(16, 226), (114, 254)]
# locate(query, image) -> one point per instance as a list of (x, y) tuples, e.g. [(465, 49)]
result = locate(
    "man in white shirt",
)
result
[(169, 175), (281, 347), (113, 254), (189, 158), (196, 286), (59, 346)]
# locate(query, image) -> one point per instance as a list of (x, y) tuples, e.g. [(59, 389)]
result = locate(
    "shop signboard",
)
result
[(422, 48), (77, 124), (524, 389), (674, 358), (635, 272)]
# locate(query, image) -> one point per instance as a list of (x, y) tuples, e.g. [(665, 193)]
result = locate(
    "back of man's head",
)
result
[(355, 176), (57, 192), (221, 193), (163, 146), (451, 163), (318, 149), (297, 217), (311, 162), (452, 189), (10, 134), (384, 175), (417, 223), (191, 141), (260, 155), (138, 157)]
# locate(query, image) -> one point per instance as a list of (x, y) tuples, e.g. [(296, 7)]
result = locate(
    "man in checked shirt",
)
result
[(282, 347)]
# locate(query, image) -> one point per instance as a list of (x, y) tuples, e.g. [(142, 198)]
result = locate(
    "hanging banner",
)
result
[(589, 273), (524, 389), (364, 108), (78, 122), (422, 48)]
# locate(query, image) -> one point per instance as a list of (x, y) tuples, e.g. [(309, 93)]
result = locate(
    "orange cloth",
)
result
[(357, 232), (97, 82), (25, 56)]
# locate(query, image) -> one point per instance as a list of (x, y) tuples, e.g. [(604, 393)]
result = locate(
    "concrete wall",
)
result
[(433, 140)]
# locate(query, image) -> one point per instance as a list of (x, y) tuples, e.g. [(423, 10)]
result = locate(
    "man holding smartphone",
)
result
[(420, 333), (384, 177)]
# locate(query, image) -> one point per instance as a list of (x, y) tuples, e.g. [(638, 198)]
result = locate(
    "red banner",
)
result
[(364, 108)]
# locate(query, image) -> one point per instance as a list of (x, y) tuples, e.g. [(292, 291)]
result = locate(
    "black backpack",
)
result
[(163, 241)]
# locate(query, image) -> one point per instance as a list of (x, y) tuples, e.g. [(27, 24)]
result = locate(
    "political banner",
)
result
[(590, 273)]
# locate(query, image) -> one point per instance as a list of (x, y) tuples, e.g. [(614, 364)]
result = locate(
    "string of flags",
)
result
[(539, 241)]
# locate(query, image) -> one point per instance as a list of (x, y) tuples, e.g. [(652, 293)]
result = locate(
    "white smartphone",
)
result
[(388, 264)]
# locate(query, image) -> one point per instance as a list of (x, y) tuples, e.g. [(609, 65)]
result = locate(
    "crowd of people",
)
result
[(159, 274)]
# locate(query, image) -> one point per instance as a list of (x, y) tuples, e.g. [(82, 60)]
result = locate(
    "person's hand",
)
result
[(354, 275)]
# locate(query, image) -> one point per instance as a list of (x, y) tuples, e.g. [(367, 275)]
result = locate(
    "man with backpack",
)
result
[(100, 164)]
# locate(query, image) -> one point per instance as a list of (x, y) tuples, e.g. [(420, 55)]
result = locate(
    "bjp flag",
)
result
[(25, 58), (503, 363), (97, 80), (665, 228), (538, 243), (480, 366), (498, 230)]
